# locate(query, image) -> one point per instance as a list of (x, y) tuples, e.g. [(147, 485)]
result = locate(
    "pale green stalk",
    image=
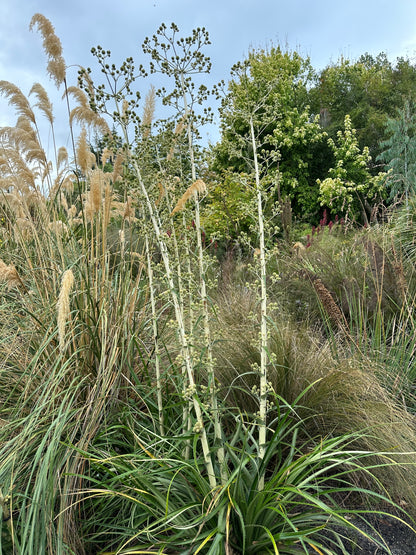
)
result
[(263, 300), (181, 327), (204, 301), (155, 337), (186, 352), (190, 318), (187, 423)]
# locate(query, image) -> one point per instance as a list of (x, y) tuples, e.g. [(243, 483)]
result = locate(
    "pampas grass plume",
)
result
[(43, 103), (52, 46), (85, 157), (106, 156), (129, 211), (180, 126), (96, 189), (118, 167), (63, 305), (8, 273), (197, 188), (17, 99)]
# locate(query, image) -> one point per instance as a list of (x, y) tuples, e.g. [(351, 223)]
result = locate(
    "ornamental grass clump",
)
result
[(350, 392), (299, 507)]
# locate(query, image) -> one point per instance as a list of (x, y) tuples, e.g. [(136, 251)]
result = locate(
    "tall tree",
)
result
[(369, 90), (400, 151), (277, 80)]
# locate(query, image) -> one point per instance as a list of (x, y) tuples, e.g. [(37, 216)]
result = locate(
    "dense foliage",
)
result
[(298, 110)]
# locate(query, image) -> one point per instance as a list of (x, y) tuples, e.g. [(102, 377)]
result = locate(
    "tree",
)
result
[(350, 187), (279, 81), (400, 154), (369, 90)]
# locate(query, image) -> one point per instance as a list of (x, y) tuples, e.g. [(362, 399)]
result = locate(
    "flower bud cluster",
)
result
[(198, 427), (189, 392)]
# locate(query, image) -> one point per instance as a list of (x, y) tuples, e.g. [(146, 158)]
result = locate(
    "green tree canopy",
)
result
[(369, 90), (350, 190), (277, 83)]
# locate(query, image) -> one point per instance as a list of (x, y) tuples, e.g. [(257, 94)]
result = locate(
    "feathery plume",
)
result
[(106, 156), (14, 203), (29, 136), (72, 211), (108, 199), (58, 227), (63, 306), (43, 102), (124, 108), (197, 188), (122, 239), (68, 183), (83, 113), (22, 135), (24, 178), (62, 157), (148, 111), (118, 167), (9, 274), (64, 203), (180, 126), (299, 248), (162, 193), (85, 157), (97, 183), (34, 199), (128, 209), (53, 48), (17, 99)]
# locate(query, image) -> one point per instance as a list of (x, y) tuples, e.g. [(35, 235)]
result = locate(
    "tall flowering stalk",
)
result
[(250, 102), (181, 64), (155, 335), (263, 308)]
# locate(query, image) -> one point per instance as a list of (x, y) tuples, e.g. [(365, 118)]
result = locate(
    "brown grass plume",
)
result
[(197, 188), (53, 48), (9, 274)]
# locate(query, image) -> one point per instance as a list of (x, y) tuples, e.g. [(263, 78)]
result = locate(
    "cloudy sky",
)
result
[(321, 29)]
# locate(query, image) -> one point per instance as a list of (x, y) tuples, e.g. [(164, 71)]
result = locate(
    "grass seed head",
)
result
[(63, 305), (197, 188), (8, 274), (52, 46)]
